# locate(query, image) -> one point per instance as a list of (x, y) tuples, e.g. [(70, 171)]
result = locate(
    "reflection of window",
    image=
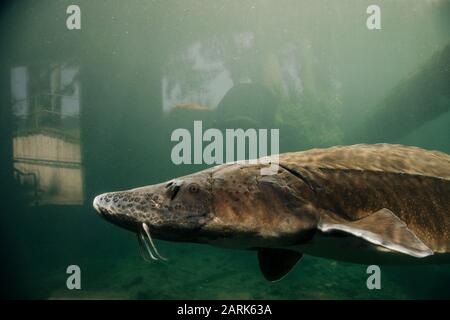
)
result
[(19, 91), (290, 71), (196, 76), (70, 101), (244, 40), (46, 143)]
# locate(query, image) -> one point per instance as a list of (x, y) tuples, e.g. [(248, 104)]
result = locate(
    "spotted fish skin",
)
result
[(378, 203), (355, 181)]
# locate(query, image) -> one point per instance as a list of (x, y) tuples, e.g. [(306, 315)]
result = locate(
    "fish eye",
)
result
[(194, 188)]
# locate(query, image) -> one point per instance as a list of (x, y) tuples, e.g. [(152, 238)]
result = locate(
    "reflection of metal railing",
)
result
[(44, 101), (42, 117), (45, 115), (37, 98), (50, 162), (20, 176)]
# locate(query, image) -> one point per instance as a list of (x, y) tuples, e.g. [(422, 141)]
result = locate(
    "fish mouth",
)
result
[(96, 203), (107, 208), (101, 205), (147, 246)]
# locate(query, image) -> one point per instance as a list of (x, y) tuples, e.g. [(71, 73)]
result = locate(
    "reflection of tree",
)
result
[(190, 74), (415, 100), (292, 82), (44, 106), (310, 121)]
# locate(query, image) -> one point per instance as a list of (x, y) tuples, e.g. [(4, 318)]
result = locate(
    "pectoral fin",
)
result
[(276, 263), (381, 228)]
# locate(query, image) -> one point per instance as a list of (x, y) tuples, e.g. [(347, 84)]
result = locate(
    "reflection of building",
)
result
[(46, 143), (55, 162)]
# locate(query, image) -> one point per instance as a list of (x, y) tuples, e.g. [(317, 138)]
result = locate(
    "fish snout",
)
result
[(111, 203), (116, 208), (100, 204)]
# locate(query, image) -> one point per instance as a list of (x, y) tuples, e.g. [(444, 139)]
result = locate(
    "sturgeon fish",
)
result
[(369, 204)]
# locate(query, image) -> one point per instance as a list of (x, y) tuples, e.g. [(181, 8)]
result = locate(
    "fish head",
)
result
[(252, 210), (231, 205), (175, 210)]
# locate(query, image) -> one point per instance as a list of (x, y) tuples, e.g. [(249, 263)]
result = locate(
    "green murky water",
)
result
[(92, 110)]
